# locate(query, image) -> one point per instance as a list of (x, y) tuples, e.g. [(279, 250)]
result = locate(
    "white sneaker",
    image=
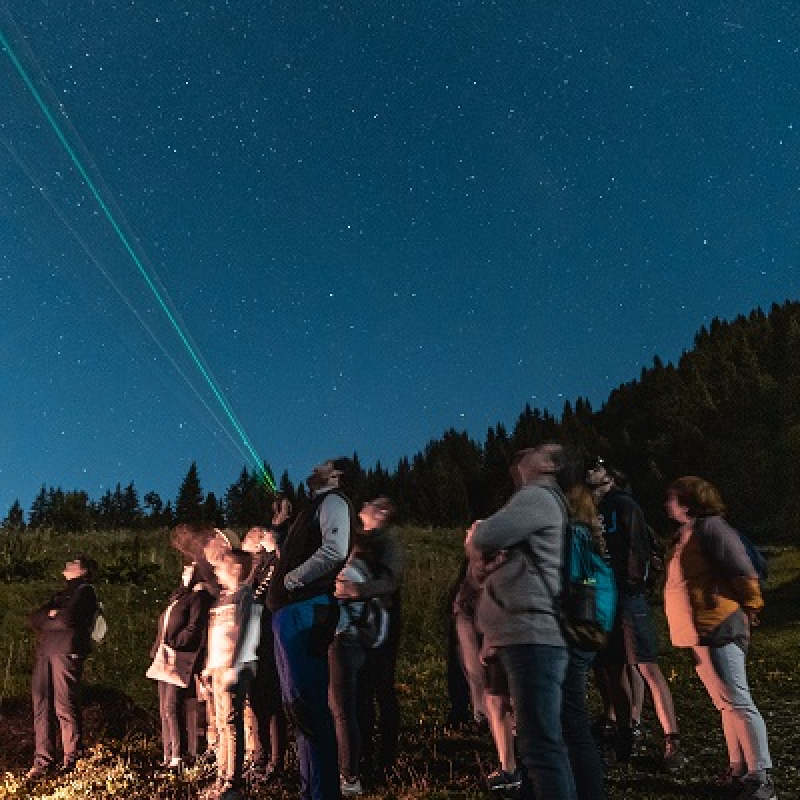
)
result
[(350, 787)]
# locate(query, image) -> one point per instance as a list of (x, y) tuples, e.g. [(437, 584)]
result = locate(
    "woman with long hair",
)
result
[(712, 598)]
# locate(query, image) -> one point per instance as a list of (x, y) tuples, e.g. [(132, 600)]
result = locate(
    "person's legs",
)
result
[(66, 674), (173, 717), (222, 712), (384, 681), (584, 757), (44, 722), (346, 661), (469, 650), (498, 713), (303, 668), (743, 717), (636, 692), (536, 676), (662, 697), (713, 685)]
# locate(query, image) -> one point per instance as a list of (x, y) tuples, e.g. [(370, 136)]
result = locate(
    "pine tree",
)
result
[(15, 519), (189, 502)]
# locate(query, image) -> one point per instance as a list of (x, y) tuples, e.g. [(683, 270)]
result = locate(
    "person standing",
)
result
[(63, 626), (378, 545), (183, 626), (712, 598), (233, 631), (304, 619), (517, 616), (265, 722)]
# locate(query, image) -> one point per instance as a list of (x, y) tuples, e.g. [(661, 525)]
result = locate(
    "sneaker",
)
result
[(350, 787), (674, 757), (503, 781), (38, 772), (728, 780), (754, 788)]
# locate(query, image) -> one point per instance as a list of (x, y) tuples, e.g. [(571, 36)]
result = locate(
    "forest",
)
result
[(728, 410)]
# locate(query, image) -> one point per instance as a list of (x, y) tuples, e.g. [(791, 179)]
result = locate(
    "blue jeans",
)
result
[(302, 660), (536, 675), (722, 671), (584, 757)]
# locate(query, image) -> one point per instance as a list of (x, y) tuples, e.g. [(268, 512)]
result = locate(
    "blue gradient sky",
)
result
[(375, 221)]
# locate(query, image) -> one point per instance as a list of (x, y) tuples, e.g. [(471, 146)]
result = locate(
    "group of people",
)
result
[(271, 634), (530, 686)]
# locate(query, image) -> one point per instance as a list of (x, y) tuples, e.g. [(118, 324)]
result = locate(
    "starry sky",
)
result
[(361, 224)]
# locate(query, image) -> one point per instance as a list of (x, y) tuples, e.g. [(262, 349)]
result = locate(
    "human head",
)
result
[(601, 476), (697, 496), (220, 542), (257, 539), (375, 514), (233, 568), (537, 462), (327, 475), (80, 566)]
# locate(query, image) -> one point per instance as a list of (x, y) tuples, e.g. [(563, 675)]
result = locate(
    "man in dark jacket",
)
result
[(63, 625), (304, 618)]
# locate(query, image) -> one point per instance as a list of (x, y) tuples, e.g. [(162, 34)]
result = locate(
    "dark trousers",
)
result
[(172, 709), (346, 661), (55, 690), (264, 714), (301, 653), (584, 757), (378, 687)]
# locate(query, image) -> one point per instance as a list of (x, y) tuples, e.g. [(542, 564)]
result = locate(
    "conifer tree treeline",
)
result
[(729, 410)]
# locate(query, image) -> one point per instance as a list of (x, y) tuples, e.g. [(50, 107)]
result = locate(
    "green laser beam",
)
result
[(265, 476)]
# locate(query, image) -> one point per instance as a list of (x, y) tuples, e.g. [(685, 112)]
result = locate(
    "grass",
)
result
[(436, 761)]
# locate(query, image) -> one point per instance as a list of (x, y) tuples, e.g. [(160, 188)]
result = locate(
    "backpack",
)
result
[(99, 626), (368, 619), (757, 559), (372, 624), (588, 601)]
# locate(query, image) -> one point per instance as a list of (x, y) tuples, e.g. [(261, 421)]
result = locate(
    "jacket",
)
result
[(517, 605), (719, 581), (68, 632)]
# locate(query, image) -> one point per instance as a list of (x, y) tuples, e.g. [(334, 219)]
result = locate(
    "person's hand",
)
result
[(281, 511), (52, 613), (345, 590), (471, 531), (752, 617)]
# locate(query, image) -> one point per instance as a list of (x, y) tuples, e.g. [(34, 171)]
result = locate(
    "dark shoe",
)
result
[(754, 788), (729, 782), (503, 781), (674, 757), (67, 767)]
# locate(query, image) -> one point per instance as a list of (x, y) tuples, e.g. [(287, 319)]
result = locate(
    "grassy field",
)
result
[(436, 762)]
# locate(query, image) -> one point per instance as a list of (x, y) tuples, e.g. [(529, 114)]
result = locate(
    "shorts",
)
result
[(633, 639), (495, 678)]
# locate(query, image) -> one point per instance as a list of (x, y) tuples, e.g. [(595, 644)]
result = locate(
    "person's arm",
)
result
[(725, 548), (190, 637), (528, 510), (387, 573), (77, 612), (632, 519), (334, 522)]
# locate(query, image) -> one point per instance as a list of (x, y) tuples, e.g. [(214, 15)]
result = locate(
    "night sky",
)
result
[(371, 221)]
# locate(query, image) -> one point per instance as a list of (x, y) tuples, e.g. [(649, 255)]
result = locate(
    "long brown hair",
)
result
[(700, 497), (583, 509)]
